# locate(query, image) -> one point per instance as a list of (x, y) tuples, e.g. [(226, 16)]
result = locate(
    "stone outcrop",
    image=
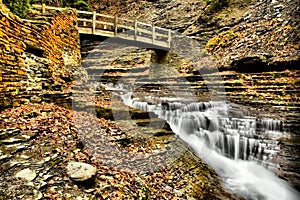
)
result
[(36, 58)]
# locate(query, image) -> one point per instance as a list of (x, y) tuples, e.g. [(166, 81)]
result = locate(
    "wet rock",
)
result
[(79, 171), (26, 174)]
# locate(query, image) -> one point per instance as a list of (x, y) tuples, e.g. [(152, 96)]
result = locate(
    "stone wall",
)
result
[(36, 58)]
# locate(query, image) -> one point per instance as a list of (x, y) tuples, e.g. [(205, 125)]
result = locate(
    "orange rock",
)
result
[(18, 51), (7, 47), (21, 72), (105, 195)]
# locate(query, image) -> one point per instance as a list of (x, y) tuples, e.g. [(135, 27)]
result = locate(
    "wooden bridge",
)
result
[(113, 26)]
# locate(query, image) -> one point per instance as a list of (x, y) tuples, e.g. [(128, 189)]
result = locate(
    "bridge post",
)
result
[(160, 64), (135, 29), (116, 25), (94, 22), (43, 8), (153, 33), (169, 38)]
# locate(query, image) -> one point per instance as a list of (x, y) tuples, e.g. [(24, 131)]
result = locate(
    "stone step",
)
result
[(10, 132), (288, 108)]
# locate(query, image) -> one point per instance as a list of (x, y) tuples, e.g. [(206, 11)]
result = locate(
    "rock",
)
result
[(5, 133), (79, 171), (35, 99), (37, 194), (26, 174)]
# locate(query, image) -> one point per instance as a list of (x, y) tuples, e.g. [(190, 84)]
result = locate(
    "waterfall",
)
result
[(239, 149), (245, 138)]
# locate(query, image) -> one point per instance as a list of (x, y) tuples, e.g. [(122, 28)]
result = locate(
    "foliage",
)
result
[(216, 5), (223, 39), (29, 115), (18, 7), (79, 4)]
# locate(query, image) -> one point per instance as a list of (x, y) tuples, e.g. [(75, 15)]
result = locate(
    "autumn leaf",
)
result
[(120, 193)]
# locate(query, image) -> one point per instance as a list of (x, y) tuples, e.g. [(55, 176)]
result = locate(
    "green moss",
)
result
[(7, 103), (29, 115), (17, 91), (238, 82), (222, 40), (218, 17)]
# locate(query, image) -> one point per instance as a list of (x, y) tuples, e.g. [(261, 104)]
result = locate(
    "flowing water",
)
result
[(241, 149)]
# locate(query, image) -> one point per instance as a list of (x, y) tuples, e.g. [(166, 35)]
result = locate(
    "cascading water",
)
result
[(240, 149)]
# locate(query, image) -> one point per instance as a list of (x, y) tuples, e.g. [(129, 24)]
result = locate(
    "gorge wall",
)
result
[(36, 56)]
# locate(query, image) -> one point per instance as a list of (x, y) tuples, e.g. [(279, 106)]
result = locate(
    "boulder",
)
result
[(79, 171), (26, 174)]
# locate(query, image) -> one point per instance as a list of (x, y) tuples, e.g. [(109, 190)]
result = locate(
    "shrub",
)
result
[(18, 7)]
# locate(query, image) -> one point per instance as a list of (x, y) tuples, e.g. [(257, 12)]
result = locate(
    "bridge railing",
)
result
[(114, 26)]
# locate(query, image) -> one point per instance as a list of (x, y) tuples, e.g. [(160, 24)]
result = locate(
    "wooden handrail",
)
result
[(145, 24), (47, 7), (106, 16), (84, 12), (84, 20), (151, 33)]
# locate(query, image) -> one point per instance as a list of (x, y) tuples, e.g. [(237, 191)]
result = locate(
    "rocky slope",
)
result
[(266, 39), (38, 143)]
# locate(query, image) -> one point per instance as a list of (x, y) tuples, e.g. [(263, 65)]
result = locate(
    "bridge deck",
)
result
[(93, 23)]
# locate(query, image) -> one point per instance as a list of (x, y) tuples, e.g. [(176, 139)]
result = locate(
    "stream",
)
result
[(242, 149)]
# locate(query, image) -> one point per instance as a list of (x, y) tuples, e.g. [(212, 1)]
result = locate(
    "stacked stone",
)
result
[(61, 37), (34, 58)]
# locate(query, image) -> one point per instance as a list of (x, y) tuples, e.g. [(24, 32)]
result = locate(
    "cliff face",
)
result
[(36, 59)]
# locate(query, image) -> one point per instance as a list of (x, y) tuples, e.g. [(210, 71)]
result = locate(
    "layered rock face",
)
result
[(265, 39), (36, 58)]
